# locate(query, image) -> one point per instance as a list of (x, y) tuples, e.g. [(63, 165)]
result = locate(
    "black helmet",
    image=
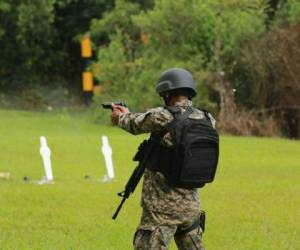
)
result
[(176, 78)]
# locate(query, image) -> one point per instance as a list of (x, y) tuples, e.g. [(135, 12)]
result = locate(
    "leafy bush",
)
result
[(271, 65), (288, 13), (180, 34)]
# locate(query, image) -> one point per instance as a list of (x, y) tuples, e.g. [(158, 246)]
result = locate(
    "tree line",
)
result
[(244, 54)]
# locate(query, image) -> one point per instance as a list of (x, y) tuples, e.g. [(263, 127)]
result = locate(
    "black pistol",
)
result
[(108, 105)]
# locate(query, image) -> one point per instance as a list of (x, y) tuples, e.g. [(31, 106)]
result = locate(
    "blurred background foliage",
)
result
[(244, 54)]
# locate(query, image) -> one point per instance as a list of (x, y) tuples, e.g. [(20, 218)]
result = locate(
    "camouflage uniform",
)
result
[(164, 208)]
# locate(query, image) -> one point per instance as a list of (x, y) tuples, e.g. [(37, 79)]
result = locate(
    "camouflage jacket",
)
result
[(157, 195)]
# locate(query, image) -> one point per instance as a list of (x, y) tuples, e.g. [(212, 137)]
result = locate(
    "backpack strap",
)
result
[(178, 116), (206, 114), (174, 110)]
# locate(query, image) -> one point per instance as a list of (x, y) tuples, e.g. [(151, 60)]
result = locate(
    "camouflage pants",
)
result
[(157, 229)]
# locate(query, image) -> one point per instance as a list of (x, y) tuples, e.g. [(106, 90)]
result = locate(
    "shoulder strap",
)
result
[(206, 114), (178, 117), (174, 110)]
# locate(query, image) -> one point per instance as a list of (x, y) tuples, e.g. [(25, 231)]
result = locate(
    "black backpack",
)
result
[(194, 158)]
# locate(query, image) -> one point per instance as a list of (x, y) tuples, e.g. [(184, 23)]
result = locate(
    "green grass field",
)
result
[(254, 202)]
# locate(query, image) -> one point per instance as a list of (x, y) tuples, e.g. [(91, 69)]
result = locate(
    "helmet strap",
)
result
[(167, 97)]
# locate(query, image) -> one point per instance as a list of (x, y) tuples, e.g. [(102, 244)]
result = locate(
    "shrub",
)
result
[(271, 65), (186, 39)]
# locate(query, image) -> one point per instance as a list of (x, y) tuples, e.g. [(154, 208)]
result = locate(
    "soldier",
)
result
[(167, 211)]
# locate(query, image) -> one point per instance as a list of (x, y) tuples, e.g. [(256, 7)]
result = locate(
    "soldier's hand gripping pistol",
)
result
[(108, 105)]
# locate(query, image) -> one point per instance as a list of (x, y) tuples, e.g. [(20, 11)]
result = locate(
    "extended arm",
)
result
[(138, 123)]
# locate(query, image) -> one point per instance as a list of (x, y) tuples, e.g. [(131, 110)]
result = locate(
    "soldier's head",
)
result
[(176, 83)]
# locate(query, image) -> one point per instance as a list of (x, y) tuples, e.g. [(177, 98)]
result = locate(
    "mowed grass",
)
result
[(254, 202)]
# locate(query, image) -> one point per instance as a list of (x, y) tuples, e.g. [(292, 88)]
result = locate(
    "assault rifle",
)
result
[(108, 105), (142, 156)]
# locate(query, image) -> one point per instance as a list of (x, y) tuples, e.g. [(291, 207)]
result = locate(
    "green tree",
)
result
[(39, 39), (288, 12), (5, 8), (181, 34)]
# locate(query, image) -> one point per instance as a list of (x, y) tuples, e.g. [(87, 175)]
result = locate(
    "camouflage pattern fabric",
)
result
[(157, 196), (157, 229)]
